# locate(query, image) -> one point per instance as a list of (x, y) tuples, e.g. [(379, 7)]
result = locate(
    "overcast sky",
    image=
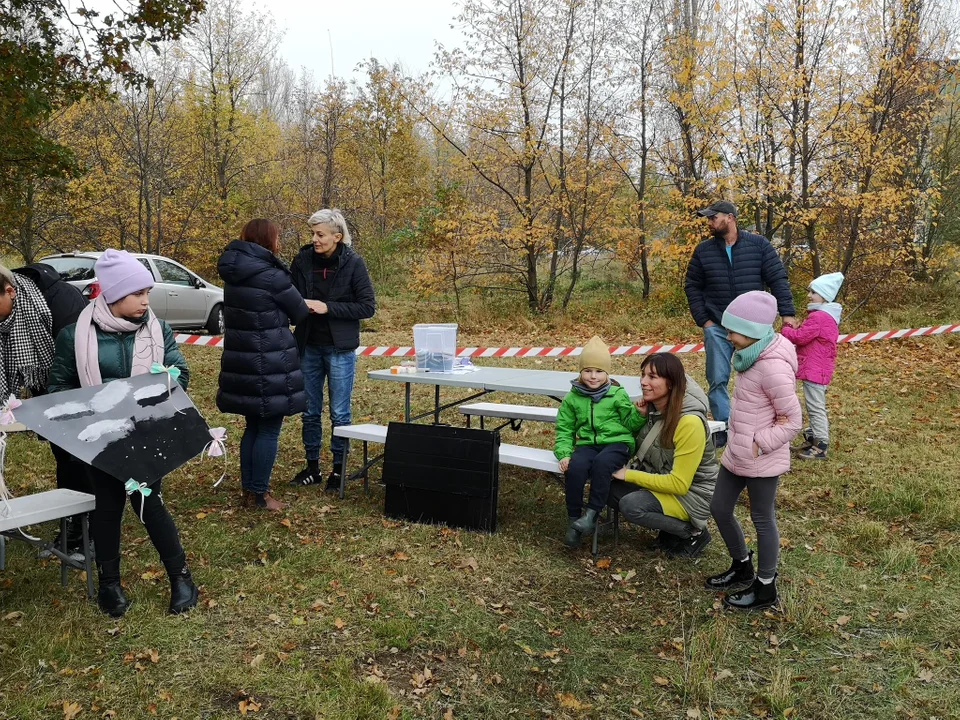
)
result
[(404, 31)]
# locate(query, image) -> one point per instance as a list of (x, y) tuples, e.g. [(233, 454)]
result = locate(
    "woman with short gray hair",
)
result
[(334, 280)]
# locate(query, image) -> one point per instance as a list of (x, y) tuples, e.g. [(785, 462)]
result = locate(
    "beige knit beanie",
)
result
[(595, 354)]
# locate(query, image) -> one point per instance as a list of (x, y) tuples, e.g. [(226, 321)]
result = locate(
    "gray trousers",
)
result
[(763, 495), (639, 506), (815, 397)]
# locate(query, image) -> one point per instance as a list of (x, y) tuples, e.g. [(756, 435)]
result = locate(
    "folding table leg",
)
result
[(63, 548), (3, 552), (366, 468), (87, 561), (343, 472)]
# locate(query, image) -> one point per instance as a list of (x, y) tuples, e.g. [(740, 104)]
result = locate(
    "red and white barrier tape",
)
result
[(404, 351)]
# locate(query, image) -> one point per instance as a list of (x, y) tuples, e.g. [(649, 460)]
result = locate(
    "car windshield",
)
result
[(72, 268)]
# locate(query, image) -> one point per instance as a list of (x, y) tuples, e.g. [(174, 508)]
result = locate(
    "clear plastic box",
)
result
[(435, 346)]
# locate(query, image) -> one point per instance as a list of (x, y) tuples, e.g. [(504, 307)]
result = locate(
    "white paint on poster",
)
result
[(111, 396), (64, 409), (120, 427), (150, 391)]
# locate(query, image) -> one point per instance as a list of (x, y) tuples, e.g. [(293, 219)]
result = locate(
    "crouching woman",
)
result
[(669, 482)]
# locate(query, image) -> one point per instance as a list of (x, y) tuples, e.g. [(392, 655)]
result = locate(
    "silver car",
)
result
[(182, 298)]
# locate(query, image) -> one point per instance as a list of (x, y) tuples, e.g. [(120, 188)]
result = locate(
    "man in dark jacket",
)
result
[(35, 305), (334, 278), (729, 263)]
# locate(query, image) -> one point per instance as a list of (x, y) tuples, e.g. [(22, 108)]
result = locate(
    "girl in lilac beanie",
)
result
[(764, 417)]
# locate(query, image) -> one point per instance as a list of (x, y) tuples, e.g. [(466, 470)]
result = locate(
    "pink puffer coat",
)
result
[(816, 341), (764, 391)]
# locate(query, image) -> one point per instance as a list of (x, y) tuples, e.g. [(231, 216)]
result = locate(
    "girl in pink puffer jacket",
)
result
[(764, 416), (816, 343)]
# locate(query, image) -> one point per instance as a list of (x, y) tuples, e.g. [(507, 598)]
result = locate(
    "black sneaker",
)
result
[(692, 546), (306, 477)]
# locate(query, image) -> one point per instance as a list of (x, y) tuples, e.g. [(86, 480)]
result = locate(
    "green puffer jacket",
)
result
[(580, 421), (116, 357)]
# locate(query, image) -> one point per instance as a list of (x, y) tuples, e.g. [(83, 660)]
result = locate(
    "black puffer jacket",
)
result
[(350, 300), (64, 300), (260, 367), (713, 281)]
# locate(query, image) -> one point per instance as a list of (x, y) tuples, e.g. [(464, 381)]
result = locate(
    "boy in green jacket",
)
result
[(596, 427)]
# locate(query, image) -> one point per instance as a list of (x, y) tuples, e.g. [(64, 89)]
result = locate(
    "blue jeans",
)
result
[(258, 452), (719, 350), (322, 363)]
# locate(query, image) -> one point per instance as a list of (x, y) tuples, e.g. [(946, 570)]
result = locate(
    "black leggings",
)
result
[(106, 518), (71, 473)]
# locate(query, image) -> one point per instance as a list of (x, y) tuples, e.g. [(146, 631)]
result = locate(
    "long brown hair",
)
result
[(669, 367), (262, 232)]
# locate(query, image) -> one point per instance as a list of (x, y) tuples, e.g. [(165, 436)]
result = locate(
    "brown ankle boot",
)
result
[(248, 499), (268, 502)]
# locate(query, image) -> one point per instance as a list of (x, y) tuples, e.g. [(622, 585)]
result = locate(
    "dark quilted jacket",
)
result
[(260, 367), (64, 300), (115, 352), (713, 281), (351, 298)]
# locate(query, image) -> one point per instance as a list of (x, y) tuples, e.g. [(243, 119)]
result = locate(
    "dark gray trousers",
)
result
[(640, 507), (763, 494)]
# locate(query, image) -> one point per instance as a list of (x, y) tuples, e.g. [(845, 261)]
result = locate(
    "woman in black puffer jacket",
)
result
[(260, 374)]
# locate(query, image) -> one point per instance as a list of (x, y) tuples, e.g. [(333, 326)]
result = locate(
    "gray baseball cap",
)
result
[(721, 206)]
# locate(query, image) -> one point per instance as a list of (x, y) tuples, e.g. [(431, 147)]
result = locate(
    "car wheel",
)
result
[(215, 323)]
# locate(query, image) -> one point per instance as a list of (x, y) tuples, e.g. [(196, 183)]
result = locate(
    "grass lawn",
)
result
[(331, 610)]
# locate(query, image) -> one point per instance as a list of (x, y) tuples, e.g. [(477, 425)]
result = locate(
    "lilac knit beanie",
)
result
[(119, 274), (751, 314)]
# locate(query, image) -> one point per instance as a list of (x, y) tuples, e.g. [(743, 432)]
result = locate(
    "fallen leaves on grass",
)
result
[(248, 705), (71, 710), (469, 563), (570, 702), (660, 680), (603, 563), (13, 616), (925, 675)]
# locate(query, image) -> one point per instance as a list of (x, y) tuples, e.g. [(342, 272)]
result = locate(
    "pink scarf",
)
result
[(148, 344)]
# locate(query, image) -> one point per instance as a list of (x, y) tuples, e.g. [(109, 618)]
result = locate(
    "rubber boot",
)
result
[(110, 597), (183, 591), (755, 597), (573, 537), (740, 573), (586, 524)]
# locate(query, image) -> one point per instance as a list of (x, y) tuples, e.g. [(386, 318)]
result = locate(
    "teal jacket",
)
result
[(116, 357), (580, 421)]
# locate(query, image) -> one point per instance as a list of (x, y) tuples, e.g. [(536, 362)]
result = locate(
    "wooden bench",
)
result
[(44, 507)]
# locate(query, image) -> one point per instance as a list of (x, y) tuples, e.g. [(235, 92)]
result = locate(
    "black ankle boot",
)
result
[(333, 479), (573, 537), (183, 591), (755, 597), (110, 598), (740, 573)]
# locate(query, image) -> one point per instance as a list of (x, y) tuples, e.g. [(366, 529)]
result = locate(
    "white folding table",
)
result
[(549, 383)]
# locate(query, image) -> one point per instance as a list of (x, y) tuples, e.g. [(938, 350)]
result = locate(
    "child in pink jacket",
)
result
[(816, 342), (764, 416)]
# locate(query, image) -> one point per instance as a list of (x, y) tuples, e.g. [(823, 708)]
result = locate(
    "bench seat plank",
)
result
[(511, 412), (43, 507)]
